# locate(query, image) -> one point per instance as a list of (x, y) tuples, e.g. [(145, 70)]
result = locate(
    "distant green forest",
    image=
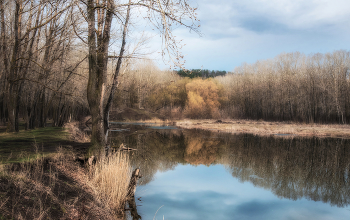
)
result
[(203, 73)]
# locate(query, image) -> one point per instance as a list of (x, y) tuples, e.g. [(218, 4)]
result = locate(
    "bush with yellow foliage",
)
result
[(202, 99)]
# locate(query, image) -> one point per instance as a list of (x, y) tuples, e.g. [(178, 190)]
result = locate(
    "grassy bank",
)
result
[(268, 128), (19, 146), (55, 185)]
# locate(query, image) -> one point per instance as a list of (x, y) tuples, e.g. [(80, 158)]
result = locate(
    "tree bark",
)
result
[(98, 58), (5, 62), (13, 91), (116, 73)]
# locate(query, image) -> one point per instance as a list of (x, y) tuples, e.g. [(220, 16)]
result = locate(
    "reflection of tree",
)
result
[(316, 169), (133, 209), (159, 150), (200, 150), (162, 150)]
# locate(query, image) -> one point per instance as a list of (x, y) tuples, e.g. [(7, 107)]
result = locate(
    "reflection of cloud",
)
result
[(188, 205), (201, 192), (294, 169), (256, 209), (283, 209), (212, 205)]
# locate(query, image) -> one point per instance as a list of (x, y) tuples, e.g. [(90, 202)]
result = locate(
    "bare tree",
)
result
[(99, 15), (36, 41)]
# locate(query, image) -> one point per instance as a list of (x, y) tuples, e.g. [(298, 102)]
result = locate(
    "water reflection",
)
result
[(316, 169), (291, 168)]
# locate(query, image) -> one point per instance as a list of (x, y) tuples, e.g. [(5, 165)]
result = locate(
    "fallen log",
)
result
[(122, 147), (126, 149), (133, 182)]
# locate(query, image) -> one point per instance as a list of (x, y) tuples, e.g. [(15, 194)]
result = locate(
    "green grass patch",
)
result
[(24, 145)]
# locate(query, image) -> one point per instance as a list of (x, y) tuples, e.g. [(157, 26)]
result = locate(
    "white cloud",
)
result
[(299, 14), (246, 31)]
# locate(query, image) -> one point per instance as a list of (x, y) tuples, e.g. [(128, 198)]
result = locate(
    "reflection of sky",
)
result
[(201, 192)]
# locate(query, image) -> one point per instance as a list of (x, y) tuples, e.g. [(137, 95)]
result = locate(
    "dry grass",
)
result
[(153, 120), (268, 128), (110, 177), (57, 187), (31, 189), (76, 134)]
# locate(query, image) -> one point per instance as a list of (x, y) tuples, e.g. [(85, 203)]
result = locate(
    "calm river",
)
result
[(196, 175)]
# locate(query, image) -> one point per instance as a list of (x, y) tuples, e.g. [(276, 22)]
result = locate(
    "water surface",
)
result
[(193, 174)]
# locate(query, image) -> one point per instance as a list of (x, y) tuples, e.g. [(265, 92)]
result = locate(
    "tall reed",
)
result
[(111, 176)]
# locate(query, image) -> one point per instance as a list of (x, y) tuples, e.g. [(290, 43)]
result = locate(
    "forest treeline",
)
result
[(204, 73), (291, 87), (44, 72)]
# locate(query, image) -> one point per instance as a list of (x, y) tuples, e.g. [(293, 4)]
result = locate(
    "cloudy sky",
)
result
[(234, 32)]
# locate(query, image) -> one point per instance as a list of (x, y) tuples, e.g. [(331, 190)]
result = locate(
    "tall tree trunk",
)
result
[(3, 37), (116, 73), (98, 57), (13, 91), (3, 50)]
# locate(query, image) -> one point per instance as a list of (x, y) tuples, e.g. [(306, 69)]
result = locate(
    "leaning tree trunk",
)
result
[(116, 74)]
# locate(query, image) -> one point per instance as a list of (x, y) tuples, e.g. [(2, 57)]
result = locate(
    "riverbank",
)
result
[(43, 176), (19, 146), (260, 127), (266, 128), (48, 187)]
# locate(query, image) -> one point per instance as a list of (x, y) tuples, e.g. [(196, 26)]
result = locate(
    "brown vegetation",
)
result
[(56, 66), (48, 188), (78, 130), (110, 177), (57, 187), (202, 99), (292, 87), (268, 128), (39, 66)]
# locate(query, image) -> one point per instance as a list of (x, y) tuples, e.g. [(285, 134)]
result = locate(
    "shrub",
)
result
[(202, 99)]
